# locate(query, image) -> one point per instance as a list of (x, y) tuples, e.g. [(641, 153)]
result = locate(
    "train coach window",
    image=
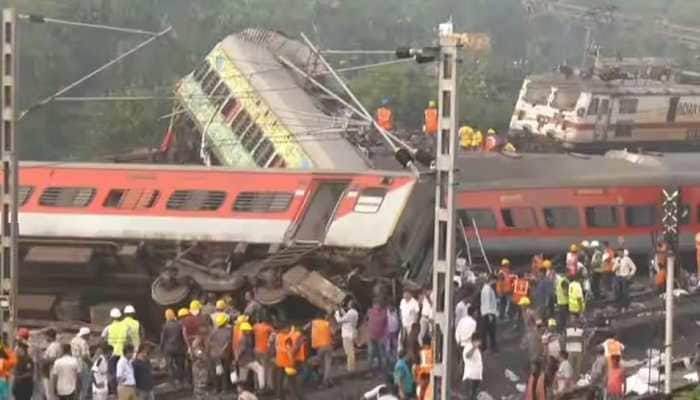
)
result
[(593, 107), (263, 202), (67, 197), (640, 216), (561, 217), (628, 106), (601, 217), (131, 198), (483, 218), (370, 200), (23, 194), (196, 200), (519, 217)]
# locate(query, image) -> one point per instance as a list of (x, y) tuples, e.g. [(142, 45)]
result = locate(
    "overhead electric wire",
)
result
[(35, 18), (384, 52)]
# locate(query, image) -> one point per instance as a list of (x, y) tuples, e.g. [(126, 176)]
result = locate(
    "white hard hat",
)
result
[(595, 243), (626, 252), (585, 244), (129, 309), (84, 331), (115, 313)]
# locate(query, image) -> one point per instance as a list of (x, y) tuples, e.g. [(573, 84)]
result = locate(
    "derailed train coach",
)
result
[(173, 232)]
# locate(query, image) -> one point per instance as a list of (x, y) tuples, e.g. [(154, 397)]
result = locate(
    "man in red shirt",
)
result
[(377, 323)]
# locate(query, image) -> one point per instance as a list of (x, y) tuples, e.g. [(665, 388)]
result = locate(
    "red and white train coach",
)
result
[(543, 203)]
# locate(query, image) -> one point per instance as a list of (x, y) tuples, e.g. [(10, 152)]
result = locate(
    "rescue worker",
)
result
[(135, 329), (491, 141), (574, 344), (561, 293), (385, 116), (191, 322), (220, 352), (608, 263), (201, 361), (291, 351), (172, 345), (544, 291), (616, 382), (117, 332), (322, 343), (504, 288), (262, 331), (489, 310), (572, 260), (596, 268), (8, 360), (529, 318), (577, 302), (551, 339), (245, 355), (509, 148), (612, 346), (466, 134), (423, 371), (477, 140), (660, 263), (521, 290), (430, 125), (219, 309)]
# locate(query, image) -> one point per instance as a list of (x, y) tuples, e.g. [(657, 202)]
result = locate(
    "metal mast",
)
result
[(10, 224), (445, 229)]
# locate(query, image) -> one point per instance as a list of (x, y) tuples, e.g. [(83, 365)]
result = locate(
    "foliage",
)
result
[(54, 55)]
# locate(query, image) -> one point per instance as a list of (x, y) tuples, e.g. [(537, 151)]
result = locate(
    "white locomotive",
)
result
[(651, 108)]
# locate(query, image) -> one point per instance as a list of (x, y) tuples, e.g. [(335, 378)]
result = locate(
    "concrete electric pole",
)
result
[(445, 228), (10, 224)]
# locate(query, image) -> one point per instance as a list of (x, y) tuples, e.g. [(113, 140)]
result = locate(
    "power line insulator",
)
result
[(424, 157), (403, 157)]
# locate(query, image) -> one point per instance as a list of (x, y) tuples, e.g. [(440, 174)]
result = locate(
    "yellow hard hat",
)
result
[(490, 132), (183, 312), (524, 302), (169, 314), (552, 323), (246, 326), (290, 371), (546, 264), (241, 319), (221, 305), (505, 262), (432, 104), (195, 305), (573, 248), (221, 319)]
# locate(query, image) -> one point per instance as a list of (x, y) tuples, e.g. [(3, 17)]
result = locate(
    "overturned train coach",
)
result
[(181, 231), (172, 232)]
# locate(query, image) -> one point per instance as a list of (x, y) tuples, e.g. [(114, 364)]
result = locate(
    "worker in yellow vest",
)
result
[(135, 329), (466, 134), (577, 303), (117, 333), (478, 141)]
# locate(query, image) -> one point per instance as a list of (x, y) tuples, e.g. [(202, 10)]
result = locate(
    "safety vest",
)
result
[(385, 118), (236, 338), (477, 139), (117, 336), (262, 332), (431, 121), (504, 285), (577, 304), (321, 334), (7, 365), (520, 289), (303, 352), (426, 363), (282, 359), (509, 148), (561, 294), (465, 136), (134, 330)]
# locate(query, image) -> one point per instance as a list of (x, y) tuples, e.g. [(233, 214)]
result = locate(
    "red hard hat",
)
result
[(23, 333)]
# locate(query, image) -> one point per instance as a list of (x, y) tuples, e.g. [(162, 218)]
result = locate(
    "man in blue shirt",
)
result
[(403, 378)]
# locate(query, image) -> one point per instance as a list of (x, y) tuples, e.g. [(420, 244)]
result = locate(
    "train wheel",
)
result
[(170, 292)]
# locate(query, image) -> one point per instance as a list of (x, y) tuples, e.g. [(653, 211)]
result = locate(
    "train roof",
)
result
[(498, 171), (200, 168), (619, 86)]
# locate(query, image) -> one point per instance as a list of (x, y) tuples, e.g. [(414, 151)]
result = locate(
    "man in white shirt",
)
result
[(461, 310), (126, 381), (65, 375), (81, 352), (489, 313), (624, 270), (410, 311), (51, 354), (426, 317), (348, 331), (466, 328), (100, 374), (473, 367)]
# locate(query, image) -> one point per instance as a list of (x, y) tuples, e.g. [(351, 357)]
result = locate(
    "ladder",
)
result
[(473, 256), (292, 253)]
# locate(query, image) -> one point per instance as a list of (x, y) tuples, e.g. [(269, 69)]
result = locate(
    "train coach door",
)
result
[(600, 133), (319, 211)]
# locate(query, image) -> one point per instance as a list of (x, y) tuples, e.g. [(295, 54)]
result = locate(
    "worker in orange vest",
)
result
[(385, 116), (504, 288), (521, 290), (612, 347), (8, 360), (423, 371), (291, 351), (262, 331), (430, 126), (322, 343)]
